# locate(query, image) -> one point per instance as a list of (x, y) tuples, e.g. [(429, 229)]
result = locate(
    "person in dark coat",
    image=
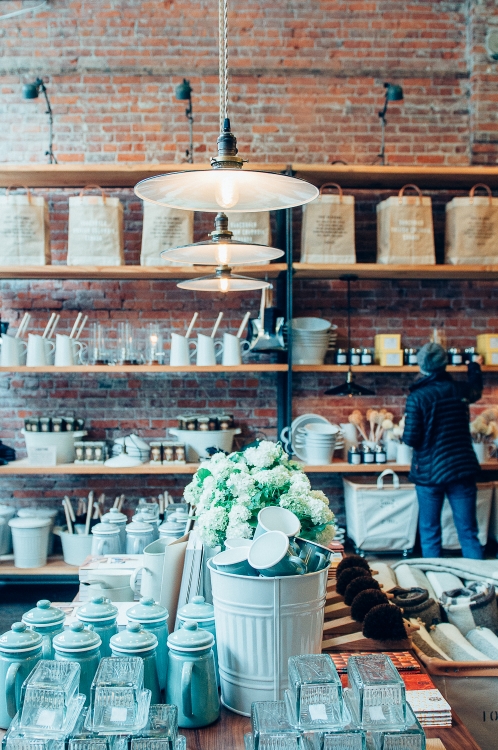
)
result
[(444, 461)]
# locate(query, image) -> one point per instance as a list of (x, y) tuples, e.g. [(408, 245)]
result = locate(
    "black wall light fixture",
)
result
[(32, 91), (394, 93), (183, 93)]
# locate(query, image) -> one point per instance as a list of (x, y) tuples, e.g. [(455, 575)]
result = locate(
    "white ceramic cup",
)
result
[(180, 354), (206, 350), (274, 518), (67, 351), (39, 352), (152, 572), (232, 349), (13, 351)]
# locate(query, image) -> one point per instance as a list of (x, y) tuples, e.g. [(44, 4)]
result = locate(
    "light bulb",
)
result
[(226, 192), (223, 254), (224, 285), (153, 339)]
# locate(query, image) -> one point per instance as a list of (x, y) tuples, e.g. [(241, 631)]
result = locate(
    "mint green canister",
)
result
[(102, 614), (82, 645), (20, 651), (136, 641), (154, 618), (46, 620)]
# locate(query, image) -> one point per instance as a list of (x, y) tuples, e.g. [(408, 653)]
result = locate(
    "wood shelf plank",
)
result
[(155, 369), (55, 567), (342, 467), (395, 271), (24, 467), (124, 273), (384, 370)]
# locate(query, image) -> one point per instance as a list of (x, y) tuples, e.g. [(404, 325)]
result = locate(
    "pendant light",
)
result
[(349, 387), (226, 186)]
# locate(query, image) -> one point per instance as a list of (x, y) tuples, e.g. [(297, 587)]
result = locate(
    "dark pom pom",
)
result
[(352, 561), (347, 576), (359, 584), (384, 623), (365, 601)]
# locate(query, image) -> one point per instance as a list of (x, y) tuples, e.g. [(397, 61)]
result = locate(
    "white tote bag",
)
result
[(471, 232), (405, 232), (327, 234), (381, 518), (164, 228), (24, 230), (485, 494), (95, 235), (250, 227)]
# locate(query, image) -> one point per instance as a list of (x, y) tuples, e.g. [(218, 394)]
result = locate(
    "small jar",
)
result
[(190, 423), (99, 452), (366, 357), (354, 455), (69, 424), (470, 355), (179, 453), (89, 451), (35, 424), (368, 455), (27, 425), (214, 423), (380, 454), (354, 356), (45, 424), (79, 423), (79, 449), (181, 423), (57, 424), (203, 424), (226, 422), (455, 356), (155, 453), (341, 357), (410, 357), (168, 452)]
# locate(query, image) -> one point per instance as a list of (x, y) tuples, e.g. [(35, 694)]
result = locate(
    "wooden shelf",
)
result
[(155, 369), (342, 467), (124, 273), (55, 567), (392, 177), (394, 271), (23, 467), (379, 369)]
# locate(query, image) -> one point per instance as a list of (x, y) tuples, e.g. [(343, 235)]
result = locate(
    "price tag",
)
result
[(376, 713), (118, 714), (45, 718), (318, 712)]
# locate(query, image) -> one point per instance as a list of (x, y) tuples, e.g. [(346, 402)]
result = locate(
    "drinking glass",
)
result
[(98, 349), (126, 344), (154, 352)]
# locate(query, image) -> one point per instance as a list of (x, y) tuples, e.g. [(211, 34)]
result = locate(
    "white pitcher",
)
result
[(206, 350), (39, 352), (152, 572), (13, 351), (232, 349), (180, 355), (67, 351)]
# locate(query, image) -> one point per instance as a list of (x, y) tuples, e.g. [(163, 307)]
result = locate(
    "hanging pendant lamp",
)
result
[(223, 281), (349, 387), (226, 186)]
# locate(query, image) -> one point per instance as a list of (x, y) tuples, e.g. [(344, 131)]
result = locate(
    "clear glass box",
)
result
[(49, 697), (271, 727), (315, 691), (377, 692)]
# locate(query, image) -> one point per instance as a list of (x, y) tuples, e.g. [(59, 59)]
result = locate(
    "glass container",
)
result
[(377, 692), (48, 696), (315, 691), (271, 727)]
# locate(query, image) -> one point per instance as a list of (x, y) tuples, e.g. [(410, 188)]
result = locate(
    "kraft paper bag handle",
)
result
[(332, 185), (402, 192), (93, 187), (388, 472), (485, 187), (14, 186)]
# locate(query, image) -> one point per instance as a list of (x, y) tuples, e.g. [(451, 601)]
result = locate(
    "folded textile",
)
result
[(484, 640), (384, 574), (415, 602), (441, 582), (452, 642), (410, 577), (422, 639), (462, 567), (470, 607)]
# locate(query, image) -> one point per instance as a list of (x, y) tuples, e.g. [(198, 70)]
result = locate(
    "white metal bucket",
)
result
[(260, 623)]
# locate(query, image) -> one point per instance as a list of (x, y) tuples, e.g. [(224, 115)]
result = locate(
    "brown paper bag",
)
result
[(24, 230), (471, 234), (328, 228), (251, 227), (95, 236), (164, 228), (405, 232)]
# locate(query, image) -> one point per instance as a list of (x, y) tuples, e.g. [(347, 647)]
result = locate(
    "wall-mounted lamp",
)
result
[(32, 91), (394, 93), (183, 93)]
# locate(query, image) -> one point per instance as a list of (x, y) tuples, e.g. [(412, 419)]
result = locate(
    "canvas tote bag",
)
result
[(95, 236), (328, 228), (405, 233), (24, 230), (253, 228), (471, 234), (164, 228)]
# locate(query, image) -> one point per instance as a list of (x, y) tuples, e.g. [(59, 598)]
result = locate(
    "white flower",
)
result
[(299, 483), (279, 476), (264, 455), (211, 524), (242, 487), (326, 536)]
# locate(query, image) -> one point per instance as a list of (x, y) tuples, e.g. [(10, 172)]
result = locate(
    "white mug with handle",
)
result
[(13, 351), (67, 351), (39, 351), (206, 350), (180, 355), (232, 350), (152, 572)]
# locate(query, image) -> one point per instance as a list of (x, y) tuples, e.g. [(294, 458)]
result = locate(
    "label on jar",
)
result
[(456, 359), (342, 359), (355, 359), (354, 458), (118, 714), (412, 359), (366, 359), (380, 458), (368, 458)]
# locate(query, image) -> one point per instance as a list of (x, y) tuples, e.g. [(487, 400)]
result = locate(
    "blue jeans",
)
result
[(462, 496)]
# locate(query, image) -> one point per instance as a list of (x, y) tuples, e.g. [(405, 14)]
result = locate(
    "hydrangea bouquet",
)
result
[(229, 491)]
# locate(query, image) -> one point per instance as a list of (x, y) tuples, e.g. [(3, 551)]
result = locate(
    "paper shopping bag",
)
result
[(405, 233), (164, 228), (24, 230), (328, 228), (471, 234), (95, 235)]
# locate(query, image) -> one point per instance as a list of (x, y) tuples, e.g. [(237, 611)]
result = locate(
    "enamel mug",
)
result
[(67, 351), (82, 645), (180, 354), (102, 614), (272, 556), (274, 518), (138, 535), (13, 351), (20, 651), (154, 618), (206, 350), (46, 620), (232, 349), (39, 352)]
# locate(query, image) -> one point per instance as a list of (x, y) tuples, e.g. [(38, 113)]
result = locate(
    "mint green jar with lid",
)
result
[(82, 645), (136, 641), (20, 651), (199, 610), (46, 620), (154, 618), (102, 614)]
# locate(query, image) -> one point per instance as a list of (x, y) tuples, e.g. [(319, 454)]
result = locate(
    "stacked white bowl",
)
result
[(319, 443), (311, 339)]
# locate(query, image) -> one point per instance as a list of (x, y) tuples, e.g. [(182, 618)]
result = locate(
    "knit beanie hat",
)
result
[(432, 357)]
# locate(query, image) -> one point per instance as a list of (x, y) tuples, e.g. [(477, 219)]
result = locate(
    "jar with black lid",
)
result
[(354, 356), (410, 357), (354, 455), (368, 455), (470, 355), (455, 356), (366, 357), (341, 357), (380, 454)]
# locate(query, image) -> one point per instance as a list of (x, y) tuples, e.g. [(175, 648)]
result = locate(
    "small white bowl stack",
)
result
[(312, 338)]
